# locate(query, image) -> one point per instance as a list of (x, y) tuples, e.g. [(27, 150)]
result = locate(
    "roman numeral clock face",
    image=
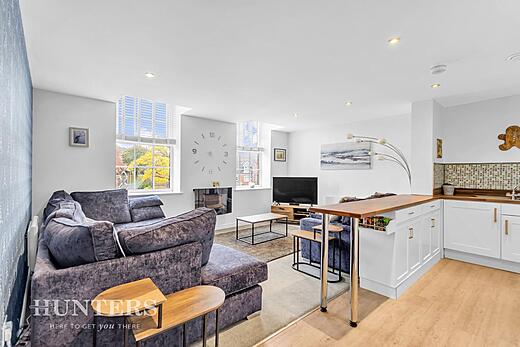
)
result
[(210, 153)]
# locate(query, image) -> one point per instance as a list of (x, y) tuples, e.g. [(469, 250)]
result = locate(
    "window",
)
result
[(249, 155), (145, 145)]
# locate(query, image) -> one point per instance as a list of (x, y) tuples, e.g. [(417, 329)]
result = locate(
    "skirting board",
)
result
[(481, 260), (396, 292)]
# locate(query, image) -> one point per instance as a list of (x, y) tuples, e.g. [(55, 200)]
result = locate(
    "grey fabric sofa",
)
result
[(176, 253)]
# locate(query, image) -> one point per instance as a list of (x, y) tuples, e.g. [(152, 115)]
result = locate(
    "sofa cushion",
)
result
[(146, 213), (108, 205), (195, 226), (72, 243), (144, 201), (232, 270), (54, 202)]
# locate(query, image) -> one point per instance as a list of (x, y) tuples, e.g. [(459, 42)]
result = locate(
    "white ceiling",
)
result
[(267, 60)]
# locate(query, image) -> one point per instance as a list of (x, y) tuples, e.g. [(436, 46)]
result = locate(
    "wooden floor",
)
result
[(454, 304)]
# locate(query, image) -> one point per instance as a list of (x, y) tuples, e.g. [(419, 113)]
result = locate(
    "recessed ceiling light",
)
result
[(435, 86), (394, 40), (149, 74), (514, 57), (295, 115), (348, 103)]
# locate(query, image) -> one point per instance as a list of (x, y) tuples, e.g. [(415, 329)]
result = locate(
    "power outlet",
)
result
[(7, 333)]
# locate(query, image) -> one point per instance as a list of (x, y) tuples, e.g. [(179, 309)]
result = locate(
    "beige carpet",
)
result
[(287, 296), (266, 251)]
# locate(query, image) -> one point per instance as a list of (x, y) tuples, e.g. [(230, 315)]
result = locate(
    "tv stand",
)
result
[(293, 212)]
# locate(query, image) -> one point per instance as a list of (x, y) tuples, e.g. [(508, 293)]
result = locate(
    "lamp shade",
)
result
[(350, 136)]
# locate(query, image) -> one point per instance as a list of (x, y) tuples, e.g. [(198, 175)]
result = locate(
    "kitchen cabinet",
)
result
[(392, 260), (430, 238), (414, 231), (472, 227), (511, 238)]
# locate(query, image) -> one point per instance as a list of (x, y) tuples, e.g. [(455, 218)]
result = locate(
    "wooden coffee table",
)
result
[(180, 308), (261, 218), (127, 300)]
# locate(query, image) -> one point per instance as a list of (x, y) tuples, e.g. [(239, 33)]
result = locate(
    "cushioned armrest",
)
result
[(171, 270)]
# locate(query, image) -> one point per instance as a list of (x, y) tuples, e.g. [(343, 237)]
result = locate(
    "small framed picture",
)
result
[(439, 148), (280, 154), (78, 137)]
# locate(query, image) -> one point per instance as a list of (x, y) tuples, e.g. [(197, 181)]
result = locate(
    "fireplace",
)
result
[(219, 199)]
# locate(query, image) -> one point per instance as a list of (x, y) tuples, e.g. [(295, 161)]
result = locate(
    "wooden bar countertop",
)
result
[(372, 207)]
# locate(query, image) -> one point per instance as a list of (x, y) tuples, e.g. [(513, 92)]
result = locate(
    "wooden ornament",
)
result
[(511, 138)]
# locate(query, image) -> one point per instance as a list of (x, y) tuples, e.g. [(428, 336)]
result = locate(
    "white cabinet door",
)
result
[(426, 237), (414, 243), (401, 254), (436, 225), (511, 238), (472, 227)]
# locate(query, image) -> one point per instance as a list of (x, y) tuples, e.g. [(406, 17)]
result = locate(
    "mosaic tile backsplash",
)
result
[(500, 176), (16, 158)]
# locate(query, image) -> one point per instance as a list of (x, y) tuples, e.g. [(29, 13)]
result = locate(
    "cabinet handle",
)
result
[(495, 215), (507, 227), (433, 222), (410, 233), (410, 213)]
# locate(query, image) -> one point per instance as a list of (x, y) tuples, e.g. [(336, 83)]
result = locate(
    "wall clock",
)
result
[(210, 153)]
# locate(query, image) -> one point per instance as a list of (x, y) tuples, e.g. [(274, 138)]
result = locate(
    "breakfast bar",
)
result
[(358, 210)]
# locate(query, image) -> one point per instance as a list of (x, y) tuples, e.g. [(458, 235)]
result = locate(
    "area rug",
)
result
[(266, 251), (287, 295)]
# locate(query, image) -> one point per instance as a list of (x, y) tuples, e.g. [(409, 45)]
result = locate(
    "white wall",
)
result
[(384, 177), (471, 130), (58, 166)]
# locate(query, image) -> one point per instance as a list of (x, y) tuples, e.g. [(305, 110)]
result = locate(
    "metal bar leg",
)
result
[(286, 226), (324, 261), (184, 336), (298, 254), (354, 271), (270, 225), (216, 328), (138, 344), (125, 332), (339, 251), (334, 256), (94, 333), (205, 330), (252, 233), (294, 250)]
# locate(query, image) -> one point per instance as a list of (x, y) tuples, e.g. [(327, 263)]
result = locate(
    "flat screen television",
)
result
[(295, 190)]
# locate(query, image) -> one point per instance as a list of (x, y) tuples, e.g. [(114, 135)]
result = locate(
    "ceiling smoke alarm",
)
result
[(514, 57), (438, 69)]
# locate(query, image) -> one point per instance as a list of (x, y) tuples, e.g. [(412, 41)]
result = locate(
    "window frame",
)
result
[(257, 150), (137, 139)]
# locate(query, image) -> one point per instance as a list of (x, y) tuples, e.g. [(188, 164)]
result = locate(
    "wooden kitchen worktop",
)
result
[(481, 198), (372, 207)]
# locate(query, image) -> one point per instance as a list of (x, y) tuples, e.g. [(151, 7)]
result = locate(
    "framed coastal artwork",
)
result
[(346, 156)]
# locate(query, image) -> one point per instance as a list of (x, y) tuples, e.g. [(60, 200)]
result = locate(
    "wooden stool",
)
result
[(180, 308), (126, 300)]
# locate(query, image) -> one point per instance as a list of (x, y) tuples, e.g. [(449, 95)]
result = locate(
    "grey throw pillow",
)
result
[(146, 213), (108, 205), (144, 201), (71, 243)]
